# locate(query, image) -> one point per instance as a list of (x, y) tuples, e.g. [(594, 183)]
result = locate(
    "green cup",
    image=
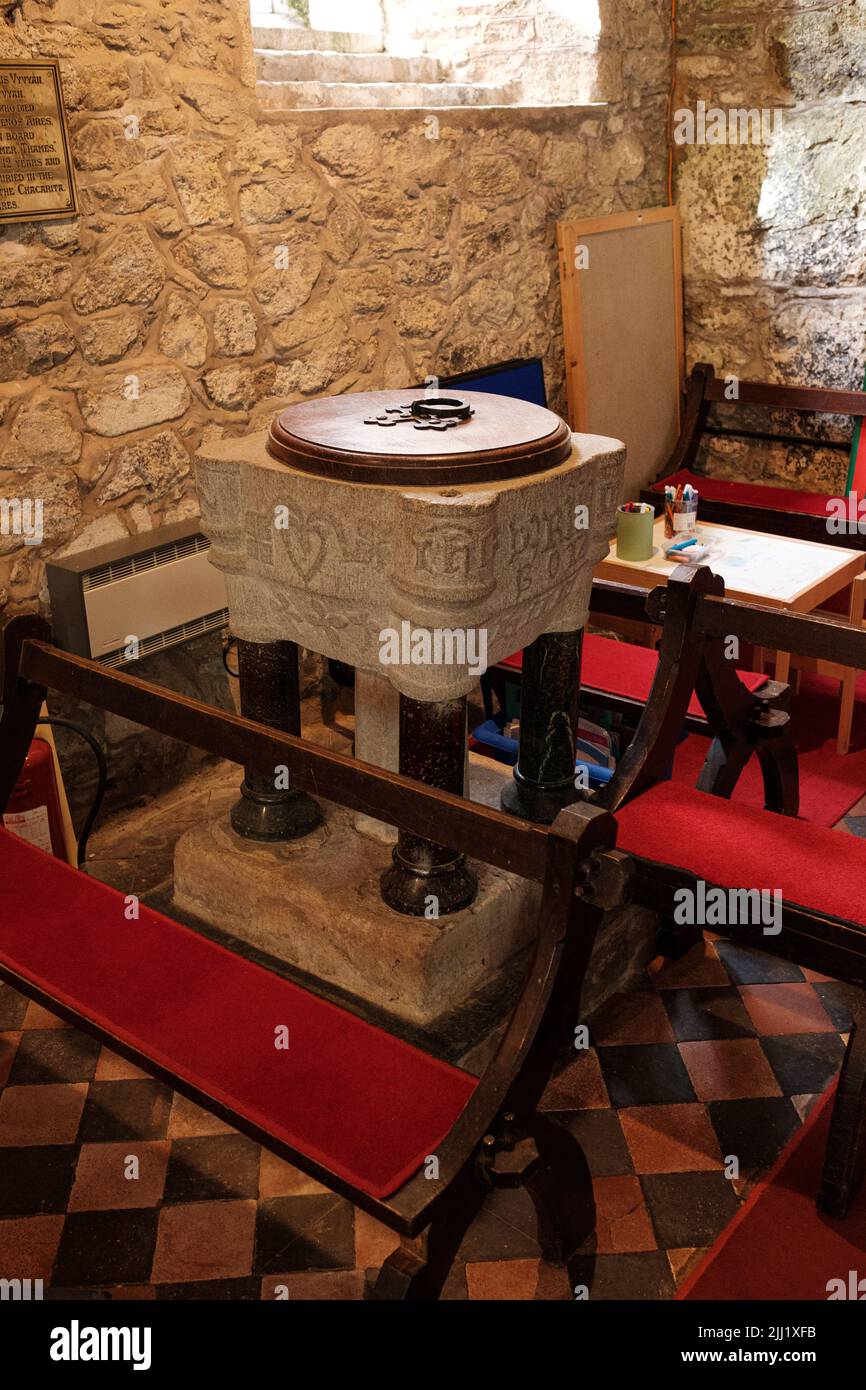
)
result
[(634, 531)]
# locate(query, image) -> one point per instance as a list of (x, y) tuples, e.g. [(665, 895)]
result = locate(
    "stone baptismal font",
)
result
[(419, 540)]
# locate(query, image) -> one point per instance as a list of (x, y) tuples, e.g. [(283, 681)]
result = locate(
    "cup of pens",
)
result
[(634, 531), (681, 510)]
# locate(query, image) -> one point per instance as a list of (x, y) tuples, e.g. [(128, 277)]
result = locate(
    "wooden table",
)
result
[(776, 571)]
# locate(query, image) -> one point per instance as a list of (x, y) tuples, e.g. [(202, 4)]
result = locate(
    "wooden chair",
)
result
[(779, 510), (414, 1142), (678, 836)]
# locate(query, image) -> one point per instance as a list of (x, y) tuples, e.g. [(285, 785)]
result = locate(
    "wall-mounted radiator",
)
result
[(123, 601)]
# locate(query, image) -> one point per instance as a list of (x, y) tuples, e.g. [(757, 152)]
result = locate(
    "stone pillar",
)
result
[(268, 677), (544, 776), (426, 879), (377, 741)]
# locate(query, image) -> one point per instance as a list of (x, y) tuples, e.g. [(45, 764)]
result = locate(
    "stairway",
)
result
[(309, 69)]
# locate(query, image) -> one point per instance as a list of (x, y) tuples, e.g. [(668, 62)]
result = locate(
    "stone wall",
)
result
[(775, 233), (228, 261)]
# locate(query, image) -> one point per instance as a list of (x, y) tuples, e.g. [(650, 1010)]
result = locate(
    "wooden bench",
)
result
[(411, 1140), (417, 1143), (679, 836), (779, 510)]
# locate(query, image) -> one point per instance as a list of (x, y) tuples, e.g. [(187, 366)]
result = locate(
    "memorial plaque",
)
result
[(36, 180)]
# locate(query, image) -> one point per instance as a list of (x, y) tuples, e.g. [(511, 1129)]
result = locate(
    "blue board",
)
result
[(522, 379)]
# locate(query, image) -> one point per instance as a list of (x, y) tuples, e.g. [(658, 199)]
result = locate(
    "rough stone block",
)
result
[(315, 903)]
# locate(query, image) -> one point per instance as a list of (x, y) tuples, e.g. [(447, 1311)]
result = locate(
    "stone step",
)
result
[(284, 65), (417, 96), (291, 37)]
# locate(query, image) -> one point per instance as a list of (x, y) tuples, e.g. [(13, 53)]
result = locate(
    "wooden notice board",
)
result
[(622, 310), (36, 181)]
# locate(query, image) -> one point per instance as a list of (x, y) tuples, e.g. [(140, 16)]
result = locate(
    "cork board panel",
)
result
[(621, 284)]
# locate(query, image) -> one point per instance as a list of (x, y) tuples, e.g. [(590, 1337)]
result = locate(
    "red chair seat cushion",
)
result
[(781, 499), (621, 668), (737, 846), (364, 1104)]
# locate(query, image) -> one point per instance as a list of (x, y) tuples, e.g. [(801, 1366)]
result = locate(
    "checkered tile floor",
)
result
[(109, 1181)]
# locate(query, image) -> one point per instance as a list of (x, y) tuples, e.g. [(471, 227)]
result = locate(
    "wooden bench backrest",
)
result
[(801, 398), (703, 389), (497, 838)]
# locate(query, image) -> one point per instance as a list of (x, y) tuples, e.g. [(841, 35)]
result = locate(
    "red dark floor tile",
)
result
[(373, 1241), (698, 968), (38, 1115), (277, 1178), (189, 1121), (630, 1019), (204, 1240), (682, 1262), (622, 1219), (786, 1008), (671, 1138), (13, 1007), (513, 1280), (28, 1245), (578, 1086), (106, 1179), (38, 1017), (329, 1285), (729, 1069), (8, 1048), (111, 1066)]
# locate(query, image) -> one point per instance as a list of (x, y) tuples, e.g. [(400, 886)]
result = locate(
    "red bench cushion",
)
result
[(780, 499), (738, 846), (621, 668), (362, 1103)]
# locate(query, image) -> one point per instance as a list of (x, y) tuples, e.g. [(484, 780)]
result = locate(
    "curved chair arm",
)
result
[(544, 1014)]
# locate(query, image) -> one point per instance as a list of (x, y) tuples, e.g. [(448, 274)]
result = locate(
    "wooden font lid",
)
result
[(496, 438)]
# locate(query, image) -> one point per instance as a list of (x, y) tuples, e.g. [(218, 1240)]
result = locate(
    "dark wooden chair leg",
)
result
[(781, 772), (418, 1268), (845, 1160), (745, 722), (560, 1186)]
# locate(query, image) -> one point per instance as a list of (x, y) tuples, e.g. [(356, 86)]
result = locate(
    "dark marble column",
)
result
[(268, 674), (544, 776), (427, 879)]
